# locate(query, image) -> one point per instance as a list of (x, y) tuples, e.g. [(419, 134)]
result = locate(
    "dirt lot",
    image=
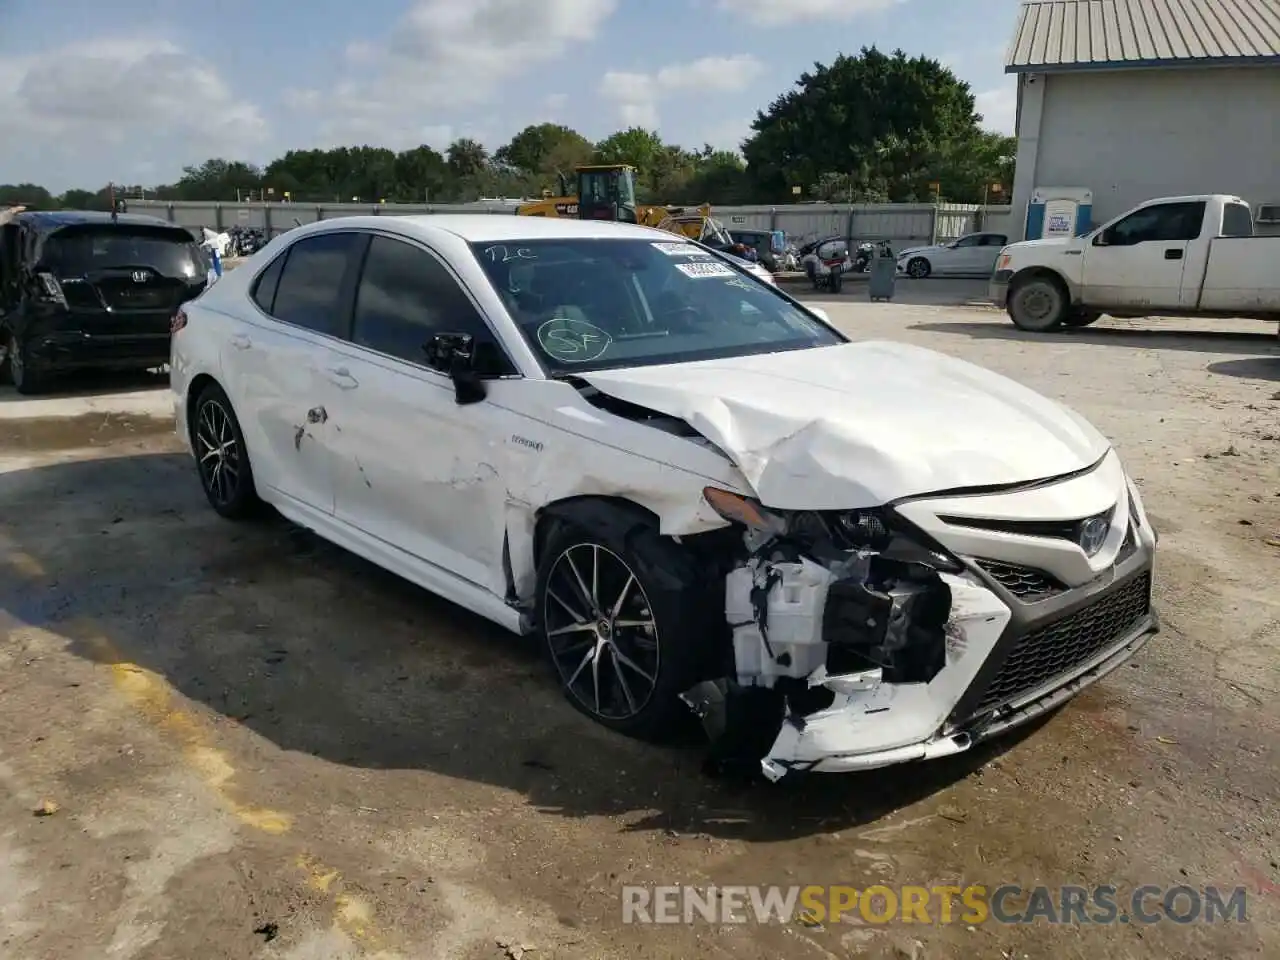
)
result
[(261, 747)]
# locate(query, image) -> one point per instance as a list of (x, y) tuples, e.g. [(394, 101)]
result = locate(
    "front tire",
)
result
[(1038, 304), (221, 458), (918, 268), (624, 620)]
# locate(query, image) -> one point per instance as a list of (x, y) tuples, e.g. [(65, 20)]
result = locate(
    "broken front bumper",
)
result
[(1009, 661)]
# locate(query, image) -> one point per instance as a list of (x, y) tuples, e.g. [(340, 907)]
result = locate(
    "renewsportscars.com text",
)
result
[(969, 905)]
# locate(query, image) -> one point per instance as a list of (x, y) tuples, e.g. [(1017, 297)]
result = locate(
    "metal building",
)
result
[(1135, 99)]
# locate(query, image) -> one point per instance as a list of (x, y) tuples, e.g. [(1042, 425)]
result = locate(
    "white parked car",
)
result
[(972, 255), (690, 487)]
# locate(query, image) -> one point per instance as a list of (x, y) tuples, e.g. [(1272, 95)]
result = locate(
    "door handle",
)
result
[(1173, 253), (317, 415), (240, 341), (342, 377)]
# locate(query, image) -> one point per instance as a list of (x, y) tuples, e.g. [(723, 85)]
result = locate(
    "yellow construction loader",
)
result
[(608, 192)]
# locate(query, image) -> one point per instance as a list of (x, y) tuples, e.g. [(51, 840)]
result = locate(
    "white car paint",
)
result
[(808, 431), (971, 255), (1211, 266), (379, 455)]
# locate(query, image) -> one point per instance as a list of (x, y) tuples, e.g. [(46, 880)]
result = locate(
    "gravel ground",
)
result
[(249, 744)]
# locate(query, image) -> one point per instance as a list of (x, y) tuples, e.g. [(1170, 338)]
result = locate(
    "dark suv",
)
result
[(91, 290)]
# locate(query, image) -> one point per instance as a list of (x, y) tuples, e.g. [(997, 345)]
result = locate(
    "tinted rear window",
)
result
[(171, 252)]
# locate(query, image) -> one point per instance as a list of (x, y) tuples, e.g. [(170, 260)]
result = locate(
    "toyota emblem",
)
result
[(1093, 534)]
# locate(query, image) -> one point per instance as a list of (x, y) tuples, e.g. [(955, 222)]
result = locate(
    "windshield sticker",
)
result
[(702, 269), (677, 249), (573, 341), (504, 254)]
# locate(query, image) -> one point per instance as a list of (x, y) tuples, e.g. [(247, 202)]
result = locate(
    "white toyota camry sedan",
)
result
[(694, 490)]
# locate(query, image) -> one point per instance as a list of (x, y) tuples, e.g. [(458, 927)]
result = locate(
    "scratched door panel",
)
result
[(272, 376), (415, 469)]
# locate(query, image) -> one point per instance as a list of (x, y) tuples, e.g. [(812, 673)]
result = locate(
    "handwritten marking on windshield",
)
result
[(503, 254), (573, 341)]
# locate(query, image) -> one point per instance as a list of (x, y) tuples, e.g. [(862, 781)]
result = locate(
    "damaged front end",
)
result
[(853, 636)]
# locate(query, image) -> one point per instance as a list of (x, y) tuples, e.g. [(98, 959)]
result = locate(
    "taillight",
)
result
[(177, 321), (52, 289)]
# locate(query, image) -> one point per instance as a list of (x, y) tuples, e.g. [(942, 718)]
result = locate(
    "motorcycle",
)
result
[(867, 252), (245, 241)]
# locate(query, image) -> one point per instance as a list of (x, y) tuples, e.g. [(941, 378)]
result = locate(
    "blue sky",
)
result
[(142, 87)]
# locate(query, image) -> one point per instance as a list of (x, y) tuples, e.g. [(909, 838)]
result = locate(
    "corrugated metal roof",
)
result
[(1084, 34)]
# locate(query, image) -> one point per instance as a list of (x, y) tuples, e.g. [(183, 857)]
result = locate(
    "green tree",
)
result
[(467, 158), (545, 149), (873, 125), (218, 179), (30, 195)]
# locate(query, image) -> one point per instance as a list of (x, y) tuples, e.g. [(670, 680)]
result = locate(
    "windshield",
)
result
[(593, 304), (170, 252)]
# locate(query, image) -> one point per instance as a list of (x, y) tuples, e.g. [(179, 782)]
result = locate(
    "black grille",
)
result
[(1025, 583), (1055, 529), (1056, 648)]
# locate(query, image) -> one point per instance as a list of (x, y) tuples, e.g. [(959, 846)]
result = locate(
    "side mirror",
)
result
[(454, 354), (1103, 239)]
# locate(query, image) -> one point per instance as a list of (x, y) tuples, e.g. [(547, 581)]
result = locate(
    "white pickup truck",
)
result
[(1175, 256)]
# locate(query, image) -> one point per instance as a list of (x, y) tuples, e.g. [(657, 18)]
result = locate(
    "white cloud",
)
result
[(776, 13), (446, 57), (999, 108), (128, 101), (637, 95)]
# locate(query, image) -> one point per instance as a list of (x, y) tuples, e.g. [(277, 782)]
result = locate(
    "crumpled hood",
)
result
[(861, 424)]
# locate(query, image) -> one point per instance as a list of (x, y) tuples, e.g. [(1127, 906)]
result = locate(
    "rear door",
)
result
[(1139, 260), (122, 279), (275, 365)]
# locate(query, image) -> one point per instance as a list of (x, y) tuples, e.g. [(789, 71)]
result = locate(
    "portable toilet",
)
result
[(1059, 212)]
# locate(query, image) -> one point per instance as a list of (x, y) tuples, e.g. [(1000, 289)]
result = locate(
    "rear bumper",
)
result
[(78, 350)]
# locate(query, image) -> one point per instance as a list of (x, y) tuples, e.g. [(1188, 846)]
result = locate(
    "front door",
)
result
[(963, 257), (412, 467), (1139, 260)]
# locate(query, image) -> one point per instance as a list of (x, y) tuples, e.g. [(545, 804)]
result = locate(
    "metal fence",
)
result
[(899, 223)]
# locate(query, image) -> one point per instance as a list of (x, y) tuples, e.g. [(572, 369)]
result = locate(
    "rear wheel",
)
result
[(221, 457), (1038, 304), (623, 621)]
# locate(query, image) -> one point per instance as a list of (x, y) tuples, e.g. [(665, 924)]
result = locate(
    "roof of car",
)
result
[(490, 227), (52, 219)]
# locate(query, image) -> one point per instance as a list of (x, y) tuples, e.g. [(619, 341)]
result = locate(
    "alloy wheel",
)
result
[(601, 631), (218, 452)]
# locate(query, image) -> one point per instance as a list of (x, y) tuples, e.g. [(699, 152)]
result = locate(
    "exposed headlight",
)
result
[(831, 534)]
